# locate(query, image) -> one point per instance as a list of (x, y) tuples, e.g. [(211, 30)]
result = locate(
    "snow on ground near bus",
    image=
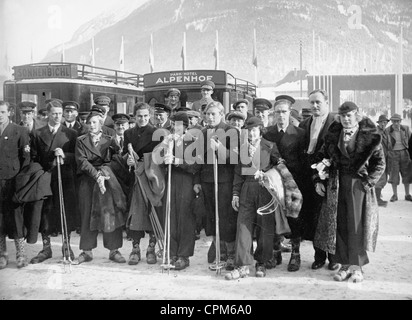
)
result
[(387, 277)]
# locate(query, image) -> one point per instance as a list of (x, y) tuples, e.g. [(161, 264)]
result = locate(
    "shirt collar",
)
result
[(55, 128)]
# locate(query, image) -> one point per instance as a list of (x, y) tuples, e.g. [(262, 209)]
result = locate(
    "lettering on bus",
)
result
[(40, 72), (183, 77)]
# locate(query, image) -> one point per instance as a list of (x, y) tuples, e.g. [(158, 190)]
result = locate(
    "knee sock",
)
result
[(19, 247), (3, 246)]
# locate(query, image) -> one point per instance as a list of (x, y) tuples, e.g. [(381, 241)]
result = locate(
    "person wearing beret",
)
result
[(161, 116), (101, 201), (138, 222), (14, 156), (173, 99), (183, 170), (105, 129), (261, 108), (206, 90), (349, 164), (236, 119), (49, 142), (104, 101), (70, 115), (248, 195), (382, 123), (399, 161), (221, 139), (289, 140), (28, 119), (316, 127), (242, 106)]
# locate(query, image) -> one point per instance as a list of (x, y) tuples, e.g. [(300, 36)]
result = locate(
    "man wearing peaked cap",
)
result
[(161, 116), (104, 101), (194, 118), (28, 120), (399, 160), (173, 96), (206, 90), (285, 97), (83, 116), (70, 114), (121, 124), (261, 108)]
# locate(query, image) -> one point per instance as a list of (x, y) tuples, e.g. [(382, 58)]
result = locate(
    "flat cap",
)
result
[(396, 117), (70, 105), (193, 113), (382, 117), (262, 104), (162, 108), (347, 107), (239, 102), (181, 116), (98, 108), (236, 114), (173, 90), (26, 106), (253, 122), (207, 84), (120, 118), (102, 100)]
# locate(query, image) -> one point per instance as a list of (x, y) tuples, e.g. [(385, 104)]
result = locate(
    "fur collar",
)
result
[(368, 140)]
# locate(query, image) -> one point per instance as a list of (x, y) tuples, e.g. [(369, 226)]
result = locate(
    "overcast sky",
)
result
[(44, 24)]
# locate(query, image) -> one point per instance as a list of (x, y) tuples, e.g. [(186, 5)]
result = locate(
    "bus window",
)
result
[(29, 97), (121, 107), (130, 105)]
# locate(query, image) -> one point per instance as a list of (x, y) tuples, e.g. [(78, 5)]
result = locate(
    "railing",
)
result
[(93, 73), (241, 85)]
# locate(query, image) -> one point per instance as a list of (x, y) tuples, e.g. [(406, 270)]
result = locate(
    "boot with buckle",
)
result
[(237, 273)]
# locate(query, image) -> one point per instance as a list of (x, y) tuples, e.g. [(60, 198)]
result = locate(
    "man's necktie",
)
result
[(121, 142)]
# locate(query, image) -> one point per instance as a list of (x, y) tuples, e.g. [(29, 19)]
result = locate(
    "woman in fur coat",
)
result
[(354, 160)]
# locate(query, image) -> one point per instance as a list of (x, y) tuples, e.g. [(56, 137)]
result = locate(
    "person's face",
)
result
[(174, 99), (206, 93), (70, 115), (396, 124), (95, 124), (237, 122), (213, 116), (193, 121), (4, 114), (282, 114), (132, 125), (27, 117), (142, 117), (254, 133), (348, 119), (262, 115), (382, 124), (55, 116), (107, 109), (121, 128), (319, 105), (160, 117), (242, 107)]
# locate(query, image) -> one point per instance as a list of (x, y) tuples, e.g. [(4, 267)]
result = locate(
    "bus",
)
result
[(82, 83), (227, 90)]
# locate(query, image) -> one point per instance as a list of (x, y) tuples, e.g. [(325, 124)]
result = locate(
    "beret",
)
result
[(347, 107), (253, 122)]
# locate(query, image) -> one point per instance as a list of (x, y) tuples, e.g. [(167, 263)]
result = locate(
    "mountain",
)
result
[(280, 26)]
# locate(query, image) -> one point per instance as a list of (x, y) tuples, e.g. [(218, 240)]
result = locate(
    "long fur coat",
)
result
[(366, 163)]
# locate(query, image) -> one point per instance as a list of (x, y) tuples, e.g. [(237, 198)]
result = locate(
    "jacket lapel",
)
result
[(88, 143)]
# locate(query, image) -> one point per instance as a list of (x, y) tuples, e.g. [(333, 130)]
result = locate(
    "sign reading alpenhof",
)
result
[(174, 78)]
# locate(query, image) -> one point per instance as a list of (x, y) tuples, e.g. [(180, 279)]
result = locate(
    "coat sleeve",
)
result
[(375, 167), (83, 164), (238, 180)]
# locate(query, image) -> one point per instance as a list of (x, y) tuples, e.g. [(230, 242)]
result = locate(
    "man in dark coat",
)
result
[(316, 127), (348, 222), (14, 155), (141, 140), (28, 119), (242, 106), (52, 143), (222, 140), (161, 116), (290, 141), (70, 114)]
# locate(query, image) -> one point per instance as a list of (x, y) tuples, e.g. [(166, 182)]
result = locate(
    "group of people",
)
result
[(316, 179)]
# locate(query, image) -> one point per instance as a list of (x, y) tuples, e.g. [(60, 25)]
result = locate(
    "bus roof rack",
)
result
[(242, 86), (79, 71)]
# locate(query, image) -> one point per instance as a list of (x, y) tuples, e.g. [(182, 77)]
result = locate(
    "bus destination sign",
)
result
[(46, 71), (184, 78)]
